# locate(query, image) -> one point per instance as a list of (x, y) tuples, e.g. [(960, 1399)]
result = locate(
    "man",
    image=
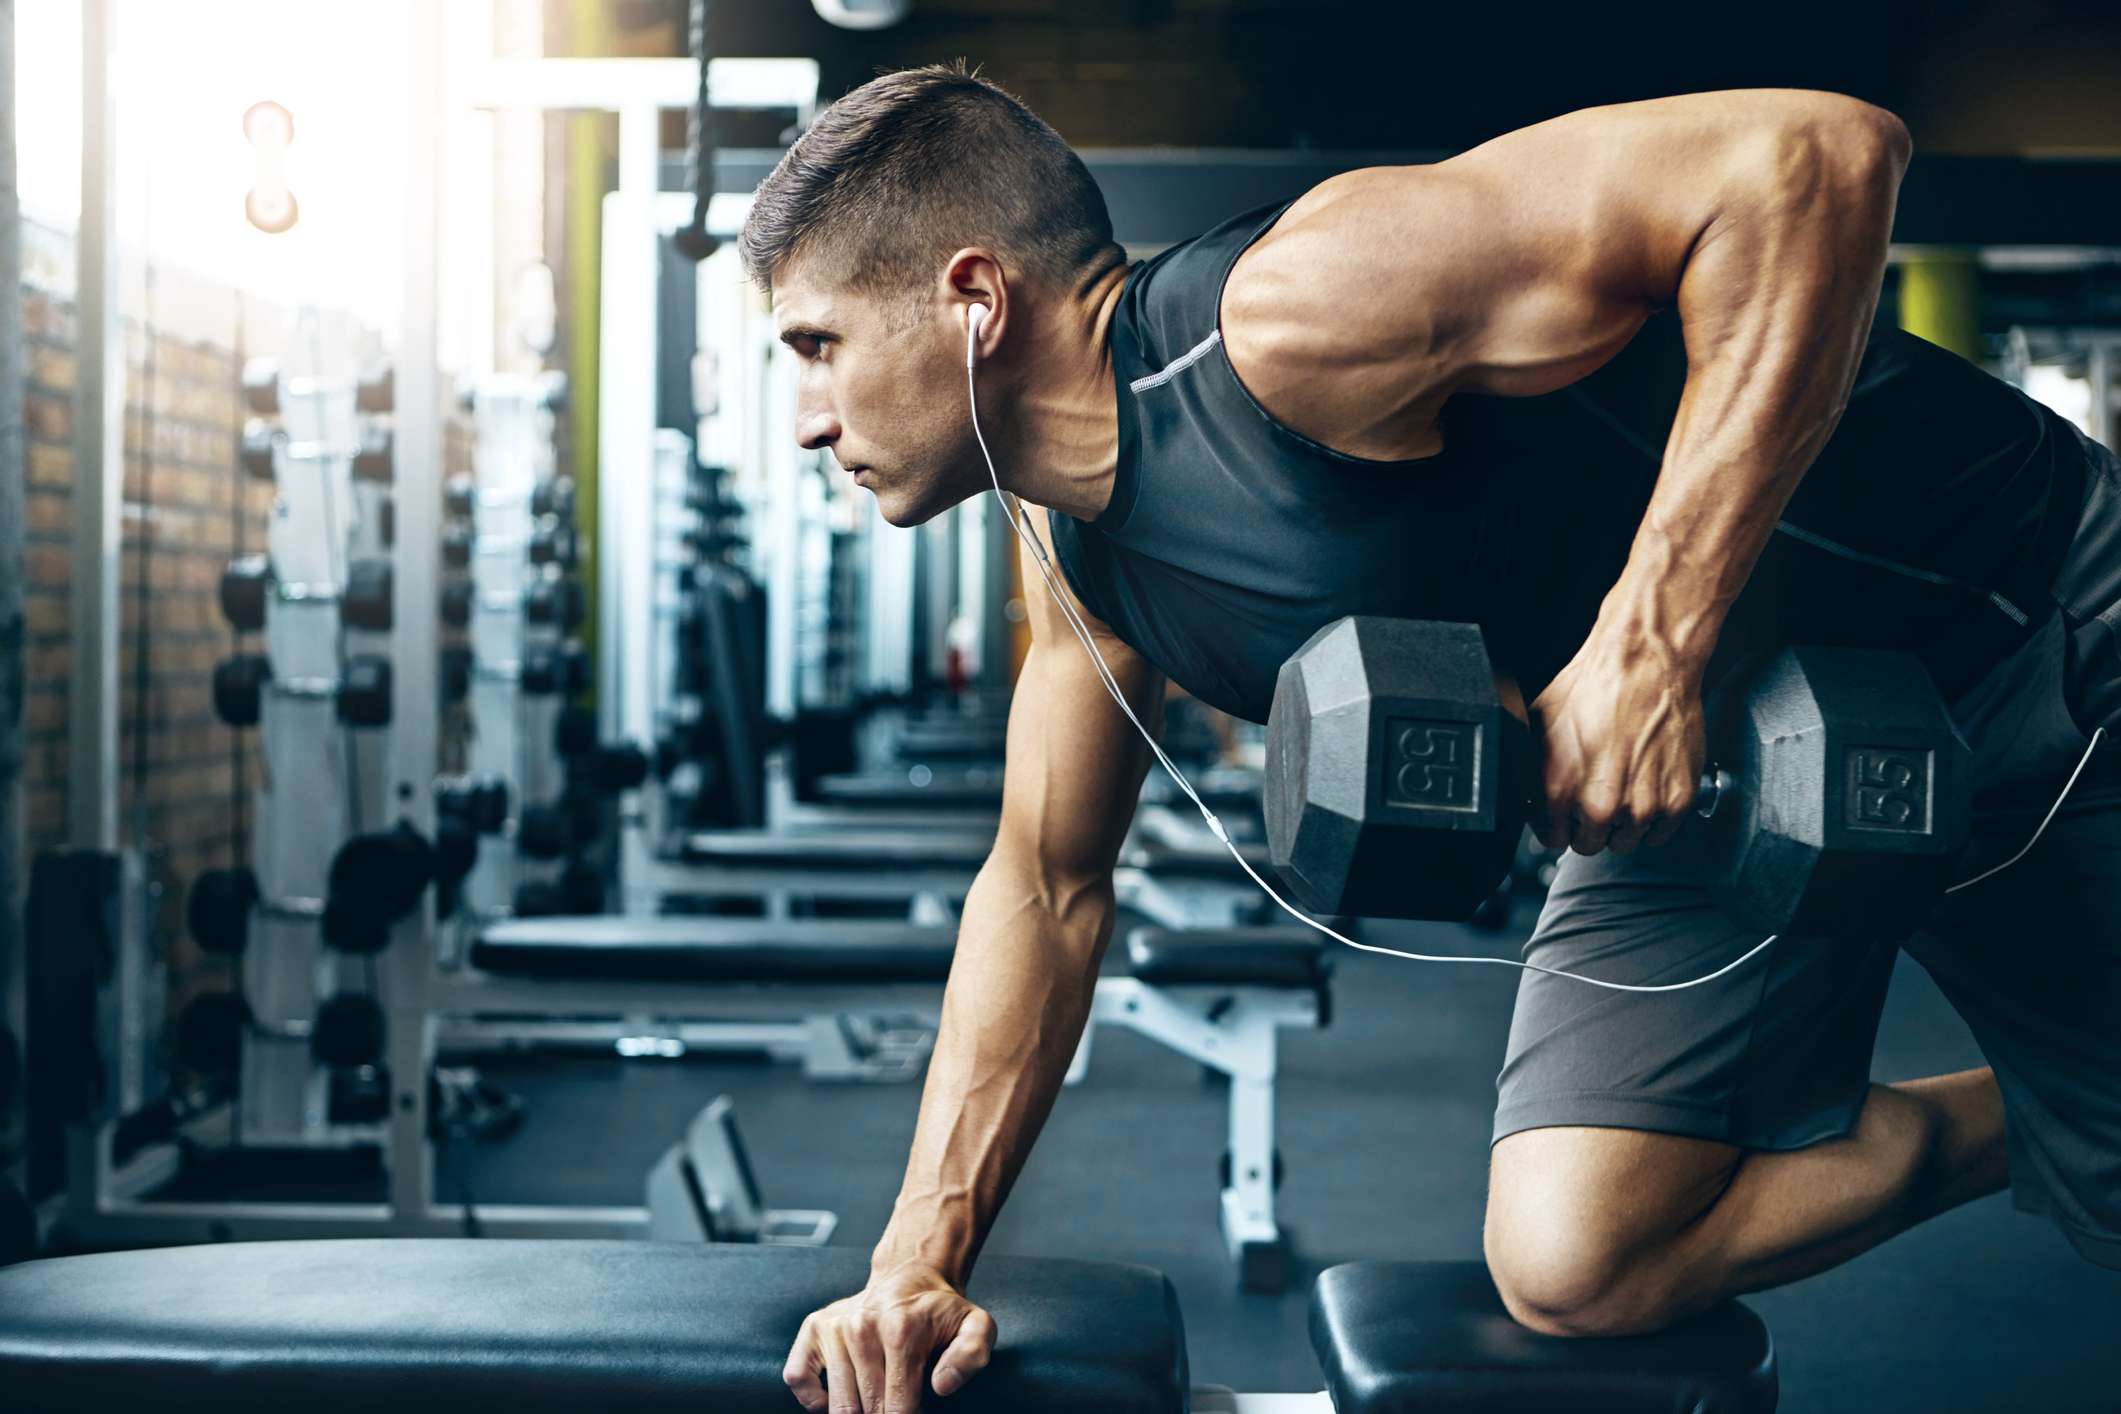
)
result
[(1448, 392)]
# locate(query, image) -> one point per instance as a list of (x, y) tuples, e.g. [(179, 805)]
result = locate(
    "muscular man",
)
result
[(1610, 388)]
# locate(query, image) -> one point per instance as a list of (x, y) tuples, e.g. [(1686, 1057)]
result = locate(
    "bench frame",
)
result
[(1233, 1030)]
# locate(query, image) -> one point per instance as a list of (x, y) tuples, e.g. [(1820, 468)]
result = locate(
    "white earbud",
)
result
[(974, 317)]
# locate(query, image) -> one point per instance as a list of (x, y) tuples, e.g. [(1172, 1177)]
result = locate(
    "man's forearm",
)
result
[(1019, 995)]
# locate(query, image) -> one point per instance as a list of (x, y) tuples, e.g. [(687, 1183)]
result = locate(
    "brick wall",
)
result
[(188, 501)]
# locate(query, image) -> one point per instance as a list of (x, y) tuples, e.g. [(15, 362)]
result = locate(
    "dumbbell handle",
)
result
[(1716, 783)]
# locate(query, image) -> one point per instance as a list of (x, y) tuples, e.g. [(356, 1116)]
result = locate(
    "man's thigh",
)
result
[(1774, 1055)]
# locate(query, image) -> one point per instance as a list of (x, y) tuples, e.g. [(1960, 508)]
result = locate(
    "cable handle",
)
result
[(1716, 783)]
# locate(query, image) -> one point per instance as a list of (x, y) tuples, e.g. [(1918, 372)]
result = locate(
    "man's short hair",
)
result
[(918, 164)]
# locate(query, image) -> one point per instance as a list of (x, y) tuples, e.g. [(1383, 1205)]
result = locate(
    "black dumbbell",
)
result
[(555, 600), (358, 1094), (457, 596), (611, 769), (1842, 796), (261, 385), (574, 735), (364, 691), (374, 461), (217, 910), (387, 522), (574, 667), (460, 496), (545, 831), (259, 439), (375, 881), (348, 1031), (553, 498), (479, 801), (457, 542), (245, 586), (1398, 784), (552, 544), (365, 603), (1397, 778), (540, 675), (239, 688), (453, 673), (456, 851), (210, 1032)]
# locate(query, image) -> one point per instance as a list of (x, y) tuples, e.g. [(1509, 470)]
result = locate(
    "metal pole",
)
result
[(99, 453), (411, 763), (2101, 373), (11, 534)]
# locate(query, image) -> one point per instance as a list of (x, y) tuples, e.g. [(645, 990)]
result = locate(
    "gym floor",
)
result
[(1384, 1126)]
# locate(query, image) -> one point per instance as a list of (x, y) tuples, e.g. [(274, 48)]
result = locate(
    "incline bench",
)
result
[(450, 1326)]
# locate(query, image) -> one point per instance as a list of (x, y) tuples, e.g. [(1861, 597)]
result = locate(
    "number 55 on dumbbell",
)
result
[(1400, 774)]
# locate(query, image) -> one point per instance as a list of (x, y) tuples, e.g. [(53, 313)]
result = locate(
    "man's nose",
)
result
[(817, 426)]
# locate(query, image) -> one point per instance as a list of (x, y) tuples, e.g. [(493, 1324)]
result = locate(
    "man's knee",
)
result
[(1583, 1227)]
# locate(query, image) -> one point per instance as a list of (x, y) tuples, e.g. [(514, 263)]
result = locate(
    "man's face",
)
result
[(882, 389)]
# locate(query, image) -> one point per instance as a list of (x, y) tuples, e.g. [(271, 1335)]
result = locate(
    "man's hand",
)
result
[(1623, 742), (872, 1348)]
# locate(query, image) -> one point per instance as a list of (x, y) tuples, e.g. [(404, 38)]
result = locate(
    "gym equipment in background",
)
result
[(703, 1190), (1220, 998), (322, 594)]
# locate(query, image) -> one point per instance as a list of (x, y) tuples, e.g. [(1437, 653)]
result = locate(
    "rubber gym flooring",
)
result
[(1384, 1124)]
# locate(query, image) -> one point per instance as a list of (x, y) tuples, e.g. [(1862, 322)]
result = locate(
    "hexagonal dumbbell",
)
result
[(1397, 773), (1844, 796)]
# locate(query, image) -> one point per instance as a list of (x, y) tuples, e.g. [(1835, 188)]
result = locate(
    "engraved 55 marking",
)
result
[(1432, 764)]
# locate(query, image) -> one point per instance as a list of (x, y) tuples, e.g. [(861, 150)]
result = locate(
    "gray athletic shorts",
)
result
[(1776, 1055)]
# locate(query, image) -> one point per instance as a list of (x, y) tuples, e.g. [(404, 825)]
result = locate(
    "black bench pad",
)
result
[(843, 851), (453, 1326), (1434, 1336), (1228, 957), (720, 949)]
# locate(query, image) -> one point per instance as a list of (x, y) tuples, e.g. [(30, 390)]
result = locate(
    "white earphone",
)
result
[(974, 317)]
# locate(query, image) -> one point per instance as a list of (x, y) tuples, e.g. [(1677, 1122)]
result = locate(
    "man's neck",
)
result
[(1051, 416)]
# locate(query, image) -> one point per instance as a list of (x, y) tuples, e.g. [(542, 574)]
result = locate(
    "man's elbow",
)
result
[(1856, 141), (1822, 153)]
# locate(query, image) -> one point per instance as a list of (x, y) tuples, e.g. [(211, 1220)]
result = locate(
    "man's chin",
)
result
[(904, 508)]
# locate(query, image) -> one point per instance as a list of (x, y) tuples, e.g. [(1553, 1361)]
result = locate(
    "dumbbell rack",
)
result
[(520, 532), (327, 616)]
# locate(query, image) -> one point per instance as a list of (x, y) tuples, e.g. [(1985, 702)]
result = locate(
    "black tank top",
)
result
[(1934, 520)]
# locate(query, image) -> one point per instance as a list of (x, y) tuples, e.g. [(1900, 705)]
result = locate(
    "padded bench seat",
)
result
[(720, 948), (452, 1326), (842, 850), (1395, 1337), (1228, 957)]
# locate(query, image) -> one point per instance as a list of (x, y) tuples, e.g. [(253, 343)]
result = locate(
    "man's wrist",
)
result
[(937, 1249), (1661, 627)]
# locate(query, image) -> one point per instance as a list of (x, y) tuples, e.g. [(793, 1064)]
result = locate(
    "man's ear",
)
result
[(971, 277)]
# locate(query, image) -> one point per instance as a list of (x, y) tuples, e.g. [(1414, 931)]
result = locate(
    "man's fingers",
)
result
[(906, 1345), (801, 1371), (865, 1348), (842, 1389), (967, 1353)]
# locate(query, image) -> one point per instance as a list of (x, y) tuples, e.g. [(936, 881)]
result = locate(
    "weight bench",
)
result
[(1397, 1337), (444, 1326), (1219, 997), (717, 948)]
